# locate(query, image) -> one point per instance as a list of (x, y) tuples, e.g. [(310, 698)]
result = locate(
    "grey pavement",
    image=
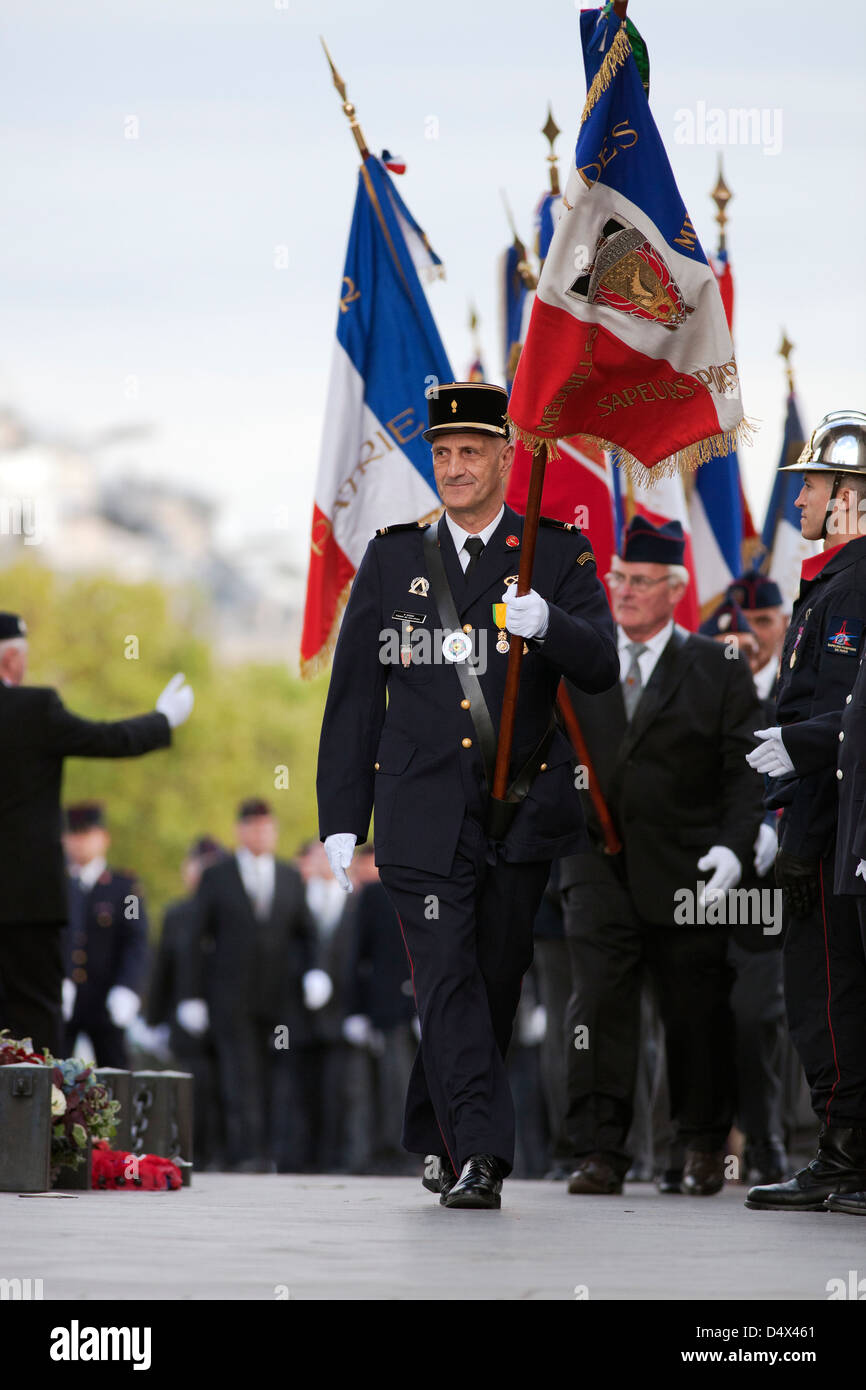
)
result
[(263, 1237)]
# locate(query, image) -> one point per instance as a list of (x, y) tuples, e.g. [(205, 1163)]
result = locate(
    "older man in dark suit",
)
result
[(667, 745), (36, 733)]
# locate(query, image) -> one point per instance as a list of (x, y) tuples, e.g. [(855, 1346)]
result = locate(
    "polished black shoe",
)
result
[(703, 1173), (479, 1185), (439, 1176), (671, 1180), (839, 1169), (854, 1203), (594, 1177)]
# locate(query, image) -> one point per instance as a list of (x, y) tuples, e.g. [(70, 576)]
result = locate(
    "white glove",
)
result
[(69, 992), (860, 871), (176, 701), (771, 756), (317, 989), (339, 849), (122, 1004), (192, 1015), (727, 871), (357, 1029), (766, 846), (527, 616), (532, 1026)]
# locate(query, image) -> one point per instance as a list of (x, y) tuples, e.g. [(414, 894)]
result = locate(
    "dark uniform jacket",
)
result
[(675, 779), (245, 967), (36, 734), (176, 943), (106, 944), (379, 982), (818, 667), (399, 737)]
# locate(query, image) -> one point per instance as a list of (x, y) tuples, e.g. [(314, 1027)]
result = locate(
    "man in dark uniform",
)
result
[(36, 734), (411, 725), (106, 952), (823, 956)]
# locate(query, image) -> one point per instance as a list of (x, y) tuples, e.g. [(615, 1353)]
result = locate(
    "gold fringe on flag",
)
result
[(313, 666), (614, 59)]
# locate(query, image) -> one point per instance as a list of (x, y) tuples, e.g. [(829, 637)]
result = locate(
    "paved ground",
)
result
[(259, 1237)]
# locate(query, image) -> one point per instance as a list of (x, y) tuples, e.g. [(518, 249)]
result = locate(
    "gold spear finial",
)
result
[(721, 196), (550, 130), (347, 105), (786, 347)]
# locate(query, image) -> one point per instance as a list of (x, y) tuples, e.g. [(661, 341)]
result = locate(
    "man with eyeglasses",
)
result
[(664, 745)]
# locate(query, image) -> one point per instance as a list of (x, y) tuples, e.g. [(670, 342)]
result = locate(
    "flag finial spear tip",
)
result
[(550, 130), (348, 107), (721, 196), (786, 347)]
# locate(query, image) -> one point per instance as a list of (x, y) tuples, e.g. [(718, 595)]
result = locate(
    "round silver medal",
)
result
[(457, 646)]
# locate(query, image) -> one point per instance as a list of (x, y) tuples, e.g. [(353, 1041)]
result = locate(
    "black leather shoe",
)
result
[(671, 1180), (594, 1177), (838, 1169), (854, 1203), (479, 1184), (439, 1176), (703, 1173), (765, 1162)]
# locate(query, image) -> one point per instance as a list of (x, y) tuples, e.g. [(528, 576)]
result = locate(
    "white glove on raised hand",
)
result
[(727, 871), (317, 989), (122, 1004), (771, 756), (357, 1029), (766, 846), (339, 849), (70, 990), (860, 871), (527, 616), (192, 1015), (176, 701)]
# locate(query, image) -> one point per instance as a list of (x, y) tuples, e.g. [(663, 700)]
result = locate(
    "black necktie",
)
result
[(474, 545)]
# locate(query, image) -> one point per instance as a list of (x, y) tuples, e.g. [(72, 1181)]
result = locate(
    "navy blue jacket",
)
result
[(105, 944), (393, 736)]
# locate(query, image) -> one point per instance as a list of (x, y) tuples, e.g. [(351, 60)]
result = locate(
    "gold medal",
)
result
[(502, 643)]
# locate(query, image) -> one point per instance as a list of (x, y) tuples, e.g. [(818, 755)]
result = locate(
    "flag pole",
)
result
[(348, 108)]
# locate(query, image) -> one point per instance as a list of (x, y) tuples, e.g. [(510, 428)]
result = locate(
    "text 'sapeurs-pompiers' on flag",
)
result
[(374, 467), (628, 344)]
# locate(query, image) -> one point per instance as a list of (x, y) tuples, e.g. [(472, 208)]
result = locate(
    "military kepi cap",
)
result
[(657, 545), (754, 591), (11, 626), (84, 815), (467, 407)]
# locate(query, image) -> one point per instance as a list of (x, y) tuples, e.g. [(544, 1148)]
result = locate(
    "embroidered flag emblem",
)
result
[(844, 638)]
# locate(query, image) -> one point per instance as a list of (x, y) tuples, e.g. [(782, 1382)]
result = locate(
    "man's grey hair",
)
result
[(677, 574)]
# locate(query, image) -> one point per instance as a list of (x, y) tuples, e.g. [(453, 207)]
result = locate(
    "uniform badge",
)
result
[(844, 638), (419, 585), (510, 579), (512, 541), (457, 646)]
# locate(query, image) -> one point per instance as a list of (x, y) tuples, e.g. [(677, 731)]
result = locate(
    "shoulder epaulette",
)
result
[(402, 526), (560, 525)]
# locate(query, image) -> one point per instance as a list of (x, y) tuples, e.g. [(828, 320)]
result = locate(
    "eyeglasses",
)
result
[(618, 580)]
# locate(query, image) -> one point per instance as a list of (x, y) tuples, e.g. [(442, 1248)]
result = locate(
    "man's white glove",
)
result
[(192, 1015), (317, 989), (69, 992), (860, 871), (727, 871), (122, 1004), (176, 701), (357, 1029), (527, 616), (771, 756), (532, 1025), (766, 846), (339, 849)]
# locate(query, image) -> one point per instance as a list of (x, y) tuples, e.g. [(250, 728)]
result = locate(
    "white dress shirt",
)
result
[(89, 873), (647, 660), (460, 537), (765, 677), (257, 872)]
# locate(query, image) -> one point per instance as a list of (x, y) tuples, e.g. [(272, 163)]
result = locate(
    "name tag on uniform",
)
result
[(401, 616)]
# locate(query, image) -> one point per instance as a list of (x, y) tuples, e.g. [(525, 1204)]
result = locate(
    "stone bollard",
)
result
[(118, 1084), (25, 1126), (162, 1117)]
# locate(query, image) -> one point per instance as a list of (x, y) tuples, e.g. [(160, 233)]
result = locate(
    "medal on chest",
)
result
[(502, 643), (456, 646), (801, 629)]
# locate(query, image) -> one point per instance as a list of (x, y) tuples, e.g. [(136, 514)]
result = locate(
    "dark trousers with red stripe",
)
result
[(824, 962), (468, 936)]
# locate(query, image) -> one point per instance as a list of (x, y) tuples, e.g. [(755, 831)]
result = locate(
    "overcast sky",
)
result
[(138, 274)]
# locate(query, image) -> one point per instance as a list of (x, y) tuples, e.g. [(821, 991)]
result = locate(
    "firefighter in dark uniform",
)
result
[(823, 956), (106, 950), (411, 724)]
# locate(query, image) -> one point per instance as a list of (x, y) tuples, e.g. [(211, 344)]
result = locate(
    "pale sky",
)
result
[(147, 265)]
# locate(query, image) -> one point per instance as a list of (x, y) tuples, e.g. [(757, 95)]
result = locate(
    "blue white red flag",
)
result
[(784, 546), (627, 344)]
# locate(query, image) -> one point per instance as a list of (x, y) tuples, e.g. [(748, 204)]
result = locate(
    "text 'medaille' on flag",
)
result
[(374, 467), (628, 344)]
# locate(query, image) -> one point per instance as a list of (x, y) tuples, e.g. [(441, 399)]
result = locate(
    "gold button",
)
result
[(467, 742), (464, 704), (79, 976), (543, 767), (839, 773), (79, 957), (467, 627), (376, 766)]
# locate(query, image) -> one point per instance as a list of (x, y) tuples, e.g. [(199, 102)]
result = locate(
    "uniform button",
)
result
[(467, 627), (79, 976), (376, 766), (842, 736), (839, 773), (543, 767), (464, 704), (467, 742), (79, 957)]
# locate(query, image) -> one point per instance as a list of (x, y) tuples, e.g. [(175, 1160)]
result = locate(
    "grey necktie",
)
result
[(632, 686)]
